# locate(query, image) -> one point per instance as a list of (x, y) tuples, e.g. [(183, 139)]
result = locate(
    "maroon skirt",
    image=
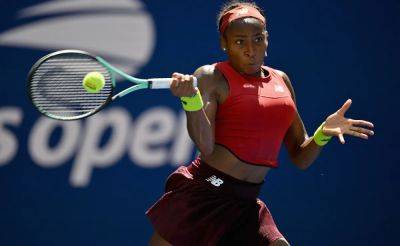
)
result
[(204, 206)]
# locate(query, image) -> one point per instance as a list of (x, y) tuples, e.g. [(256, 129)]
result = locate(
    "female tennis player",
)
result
[(238, 118)]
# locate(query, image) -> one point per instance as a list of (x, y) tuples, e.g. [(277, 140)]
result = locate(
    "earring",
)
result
[(224, 49), (266, 45)]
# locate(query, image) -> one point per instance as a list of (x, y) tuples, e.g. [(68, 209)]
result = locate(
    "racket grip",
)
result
[(164, 83)]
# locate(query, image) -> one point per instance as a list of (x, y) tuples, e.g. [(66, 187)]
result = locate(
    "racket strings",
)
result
[(56, 86)]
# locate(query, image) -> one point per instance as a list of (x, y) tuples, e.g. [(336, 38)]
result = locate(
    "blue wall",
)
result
[(90, 182)]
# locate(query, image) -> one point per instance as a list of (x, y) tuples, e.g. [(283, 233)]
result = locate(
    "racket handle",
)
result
[(164, 83)]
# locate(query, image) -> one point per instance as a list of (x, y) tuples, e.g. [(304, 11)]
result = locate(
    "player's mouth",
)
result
[(252, 68)]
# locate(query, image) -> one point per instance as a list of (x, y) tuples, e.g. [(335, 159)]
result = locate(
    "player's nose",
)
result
[(249, 50)]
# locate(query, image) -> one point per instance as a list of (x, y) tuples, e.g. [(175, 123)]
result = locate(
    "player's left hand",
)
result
[(337, 125)]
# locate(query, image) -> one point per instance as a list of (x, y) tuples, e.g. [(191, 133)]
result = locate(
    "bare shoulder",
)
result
[(208, 73), (212, 81), (282, 74), (288, 83)]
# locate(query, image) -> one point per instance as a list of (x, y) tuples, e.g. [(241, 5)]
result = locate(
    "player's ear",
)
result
[(266, 42)]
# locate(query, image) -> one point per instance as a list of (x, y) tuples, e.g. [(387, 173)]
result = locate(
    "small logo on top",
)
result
[(279, 88), (247, 85)]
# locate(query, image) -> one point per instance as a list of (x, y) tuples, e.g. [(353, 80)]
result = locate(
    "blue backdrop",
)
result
[(90, 182)]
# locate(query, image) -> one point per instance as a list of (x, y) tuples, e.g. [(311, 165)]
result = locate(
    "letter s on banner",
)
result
[(38, 144), (8, 141)]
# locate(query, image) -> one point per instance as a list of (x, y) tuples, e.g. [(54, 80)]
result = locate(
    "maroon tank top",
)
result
[(253, 120)]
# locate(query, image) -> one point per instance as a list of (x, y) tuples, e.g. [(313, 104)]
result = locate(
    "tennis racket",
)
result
[(55, 84)]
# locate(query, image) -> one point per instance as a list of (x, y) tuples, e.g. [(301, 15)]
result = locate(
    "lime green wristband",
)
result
[(319, 137), (194, 103)]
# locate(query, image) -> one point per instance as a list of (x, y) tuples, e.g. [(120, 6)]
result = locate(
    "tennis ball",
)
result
[(93, 82)]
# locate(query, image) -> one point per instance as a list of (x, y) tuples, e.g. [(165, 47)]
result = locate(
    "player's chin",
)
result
[(252, 68)]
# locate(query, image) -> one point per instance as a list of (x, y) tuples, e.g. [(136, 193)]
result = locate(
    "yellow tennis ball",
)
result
[(93, 82)]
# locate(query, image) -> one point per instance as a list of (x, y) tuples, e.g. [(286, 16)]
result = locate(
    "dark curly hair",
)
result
[(233, 4)]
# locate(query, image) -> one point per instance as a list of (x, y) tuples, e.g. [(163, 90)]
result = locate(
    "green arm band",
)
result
[(319, 137), (194, 103)]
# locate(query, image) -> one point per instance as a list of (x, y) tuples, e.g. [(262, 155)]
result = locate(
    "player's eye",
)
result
[(239, 41), (259, 39)]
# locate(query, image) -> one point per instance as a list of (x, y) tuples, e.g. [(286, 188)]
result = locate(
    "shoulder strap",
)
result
[(228, 72), (283, 82), (232, 77)]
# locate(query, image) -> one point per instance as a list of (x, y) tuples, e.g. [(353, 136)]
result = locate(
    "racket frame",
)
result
[(56, 53), (154, 83)]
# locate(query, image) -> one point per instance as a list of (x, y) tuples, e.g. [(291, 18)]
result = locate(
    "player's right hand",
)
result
[(182, 85)]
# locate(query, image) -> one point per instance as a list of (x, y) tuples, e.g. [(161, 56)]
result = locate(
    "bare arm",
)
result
[(302, 150), (200, 124)]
